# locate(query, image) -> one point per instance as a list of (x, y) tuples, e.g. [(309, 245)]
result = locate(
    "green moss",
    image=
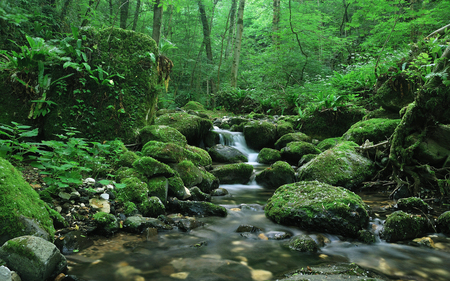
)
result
[(20, 247), (193, 105), (287, 138), (164, 152), (443, 223), (328, 143), (124, 172), (260, 134), (19, 199), (135, 190), (233, 173), (127, 158), (375, 130), (413, 204), (163, 134), (158, 187), (401, 226), (303, 243), (176, 187), (189, 173), (294, 151), (276, 175), (268, 156), (209, 181), (284, 128), (152, 207), (198, 156), (103, 218), (129, 208), (150, 167)]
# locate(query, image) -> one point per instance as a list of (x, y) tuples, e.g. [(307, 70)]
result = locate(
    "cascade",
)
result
[(237, 140)]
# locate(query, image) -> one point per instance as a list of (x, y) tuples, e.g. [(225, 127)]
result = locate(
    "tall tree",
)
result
[(232, 27), (157, 21), (136, 14), (275, 22), (238, 41), (206, 36), (124, 7)]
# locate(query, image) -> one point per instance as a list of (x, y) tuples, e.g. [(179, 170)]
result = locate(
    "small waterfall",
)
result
[(237, 140)]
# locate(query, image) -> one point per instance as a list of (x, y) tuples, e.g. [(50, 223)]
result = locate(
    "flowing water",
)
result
[(217, 252)]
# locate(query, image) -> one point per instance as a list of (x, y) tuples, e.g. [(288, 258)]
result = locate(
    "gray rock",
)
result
[(226, 154), (259, 134), (137, 224), (196, 208), (302, 243), (276, 175), (219, 192), (5, 273), (33, 258), (189, 223)]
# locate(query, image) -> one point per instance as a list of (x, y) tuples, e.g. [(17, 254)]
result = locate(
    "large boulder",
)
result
[(340, 165), (268, 156), (401, 226), (226, 154), (287, 138), (233, 173), (395, 93), (294, 151), (163, 134), (159, 187), (375, 130), (193, 127), (317, 206), (22, 212), (177, 189), (443, 223), (150, 167), (135, 190), (198, 156), (33, 258), (189, 173), (209, 181), (259, 134), (164, 152), (276, 175)]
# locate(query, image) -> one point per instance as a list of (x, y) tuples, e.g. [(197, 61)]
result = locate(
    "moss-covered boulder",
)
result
[(211, 139), (329, 123), (268, 156), (402, 226), (163, 134), (233, 173), (164, 152), (176, 188), (193, 127), (302, 243), (198, 195), (189, 173), (200, 156), (328, 143), (137, 224), (135, 190), (22, 212), (317, 206), (413, 205), (127, 159), (152, 207), (443, 223), (395, 93), (197, 208), (287, 138), (305, 159), (284, 128), (340, 166), (150, 167), (276, 175), (193, 105), (209, 181), (107, 224), (159, 187), (226, 154), (260, 134), (375, 130), (124, 172), (295, 150)]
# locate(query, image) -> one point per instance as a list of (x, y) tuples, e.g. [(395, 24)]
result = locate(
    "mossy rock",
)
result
[(198, 195), (200, 158), (329, 123), (135, 190), (124, 173), (22, 212), (328, 143), (295, 150), (198, 208), (211, 139), (375, 130), (189, 173), (305, 159), (150, 167), (402, 226), (339, 166), (443, 223), (278, 174), (176, 188), (194, 105), (163, 134), (194, 128), (106, 223), (287, 138), (137, 224), (284, 128), (366, 236), (129, 208), (413, 205), (268, 156), (394, 95), (260, 134), (164, 152), (226, 154), (303, 243), (317, 206), (127, 159), (159, 187), (152, 207), (209, 182), (233, 173)]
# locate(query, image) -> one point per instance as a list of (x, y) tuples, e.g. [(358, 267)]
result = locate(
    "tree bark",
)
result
[(110, 11), (136, 14), (207, 38), (231, 28), (276, 22), (157, 21), (168, 28), (125, 4), (237, 47)]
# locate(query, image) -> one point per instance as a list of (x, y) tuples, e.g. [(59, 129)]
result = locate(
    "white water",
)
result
[(237, 140)]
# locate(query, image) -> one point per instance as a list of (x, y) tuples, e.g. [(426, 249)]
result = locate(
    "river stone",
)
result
[(197, 208), (150, 167), (302, 243), (135, 190), (260, 134), (287, 138), (164, 152), (176, 188), (317, 206), (189, 173), (276, 175), (375, 130), (127, 158), (189, 223), (33, 258), (197, 155), (226, 154), (219, 192), (413, 205), (152, 207), (328, 143), (339, 166), (5, 273), (163, 134), (233, 173), (268, 156), (402, 226), (137, 224), (294, 151), (73, 241), (198, 195), (335, 272), (443, 223), (158, 187), (209, 181)]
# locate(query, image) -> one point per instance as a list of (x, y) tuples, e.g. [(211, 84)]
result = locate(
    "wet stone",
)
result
[(188, 223), (248, 228), (219, 192), (278, 235)]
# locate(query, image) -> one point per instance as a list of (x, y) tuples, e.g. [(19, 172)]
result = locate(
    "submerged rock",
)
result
[(402, 226), (276, 175), (226, 154), (33, 258), (318, 206), (197, 208)]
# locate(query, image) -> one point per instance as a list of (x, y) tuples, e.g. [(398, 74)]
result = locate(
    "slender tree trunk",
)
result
[(157, 21), (168, 30), (110, 11), (276, 22), (136, 14), (237, 47), (232, 27), (345, 19), (206, 36), (125, 4)]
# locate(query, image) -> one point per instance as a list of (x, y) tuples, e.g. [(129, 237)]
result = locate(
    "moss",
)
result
[(103, 218), (135, 190), (193, 105), (276, 175), (260, 134), (303, 243), (284, 128), (150, 167), (294, 151), (189, 173), (413, 204), (268, 156), (127, 159), (18, 199), (317, 206), (129, 208), (164, 152), (20, 247), (209, 181), (401, 226), (198, 156), (163, 134), (158, 187), (375, 130), (287, 138), (124, 173), (306, 158), (152, 207), (57, 217), (443, 223), (176, 187), (328, 143), (366, 236), (233, 173)]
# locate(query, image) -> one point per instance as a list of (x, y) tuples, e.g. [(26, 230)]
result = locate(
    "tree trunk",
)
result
[(232, 27), (157, 21), (125, 4), (110, 11), (276, 22), (206, 36), (136, 14), (168, 27), (237, 47)]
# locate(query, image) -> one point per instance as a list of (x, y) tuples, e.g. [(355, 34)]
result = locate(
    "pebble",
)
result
[(89, 181), (105, 196)]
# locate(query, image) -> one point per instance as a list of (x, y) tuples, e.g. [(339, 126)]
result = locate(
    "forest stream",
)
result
[(216, 249)]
